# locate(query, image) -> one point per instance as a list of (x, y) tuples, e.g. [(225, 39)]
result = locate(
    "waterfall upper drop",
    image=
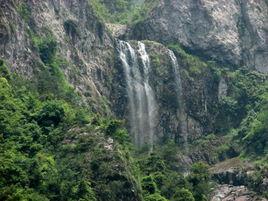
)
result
[(177, 75), (141, 97)]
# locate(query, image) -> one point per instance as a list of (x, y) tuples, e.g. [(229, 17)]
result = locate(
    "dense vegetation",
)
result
[(45, 149), (122, 11)]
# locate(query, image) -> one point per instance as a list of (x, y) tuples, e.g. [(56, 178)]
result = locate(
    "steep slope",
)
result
[(56, 142), (71, 28), (233, 33)]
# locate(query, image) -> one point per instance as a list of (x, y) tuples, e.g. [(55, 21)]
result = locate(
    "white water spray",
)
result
[(142, 104)]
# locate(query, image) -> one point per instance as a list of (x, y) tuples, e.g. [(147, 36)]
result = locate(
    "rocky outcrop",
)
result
[(234, 193), (233, 33), (117, 30), (236, 178)]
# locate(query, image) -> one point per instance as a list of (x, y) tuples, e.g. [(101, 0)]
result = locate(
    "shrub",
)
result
[(148, 185), (115, 129), (24, 11), (183, 195), (47, 47), (51, 114), (4, 71), (199, 179), (155, 197), (257, 133)]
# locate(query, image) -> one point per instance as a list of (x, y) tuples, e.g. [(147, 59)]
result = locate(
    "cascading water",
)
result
[(142, 104), (149, 93), (178, 89), (177, 75)]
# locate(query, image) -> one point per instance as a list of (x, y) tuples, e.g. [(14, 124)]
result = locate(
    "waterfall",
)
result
[(178, 88), (141, 98), (151, 108), (177, 75)]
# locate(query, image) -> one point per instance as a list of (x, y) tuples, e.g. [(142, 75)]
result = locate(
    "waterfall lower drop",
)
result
[(142, 104), (178, 89)]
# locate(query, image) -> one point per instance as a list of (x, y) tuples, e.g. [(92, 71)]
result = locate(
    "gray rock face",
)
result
[(236, 178), (234, 193), (86, 46), (232, 32)]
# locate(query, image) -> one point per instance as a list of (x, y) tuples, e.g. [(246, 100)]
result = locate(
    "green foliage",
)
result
[(155, 197), (161, 181), (43, 158), (124, 11), (4, 71), (100, 10), (47, 47), (17, 193), (10, 109), (114, 128), (256, 133), (183, 195), (153, 163), (148, 185), (172, 183), (53, 150), (199, 180), (24, 11), (122, 5), (85, 192), (247, 109), (51, 114), (246, 89), (139, 13), (194, 65), (51, 81)]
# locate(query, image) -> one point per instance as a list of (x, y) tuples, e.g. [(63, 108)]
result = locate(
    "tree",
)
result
[(51, 114), (148, 185), (183, 195), (155, 197), (199, 179), (85, 192)]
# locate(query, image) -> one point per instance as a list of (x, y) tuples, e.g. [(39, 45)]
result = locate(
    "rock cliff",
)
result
[(81, 39), (190, 77), (233, 33)]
